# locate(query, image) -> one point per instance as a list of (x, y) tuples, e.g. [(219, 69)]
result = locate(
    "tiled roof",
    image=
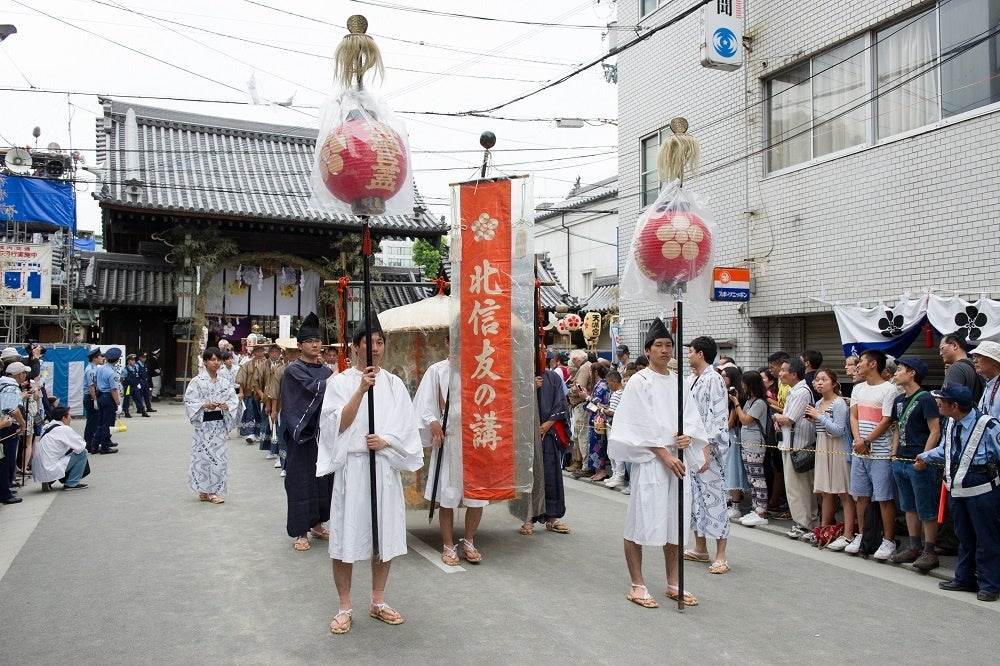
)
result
[(105, 279), (604, 297), (581, 196), (221, 167), (386, 297), (552, 294)]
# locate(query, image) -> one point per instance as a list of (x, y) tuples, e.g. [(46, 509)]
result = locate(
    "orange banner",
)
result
[(485, 333)]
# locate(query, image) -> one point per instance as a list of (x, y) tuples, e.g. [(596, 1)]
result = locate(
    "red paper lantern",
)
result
[(674, 246), (363, 162)]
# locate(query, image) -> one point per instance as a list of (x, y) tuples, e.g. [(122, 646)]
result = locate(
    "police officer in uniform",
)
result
[(970, 451)]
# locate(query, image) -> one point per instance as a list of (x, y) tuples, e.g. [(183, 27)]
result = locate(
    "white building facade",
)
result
[(580, 236), (852, 158)]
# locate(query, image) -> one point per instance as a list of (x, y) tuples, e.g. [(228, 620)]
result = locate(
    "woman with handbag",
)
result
[(832, 477)]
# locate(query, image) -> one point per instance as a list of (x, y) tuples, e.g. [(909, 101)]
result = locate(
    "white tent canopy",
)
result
[(430, 314)]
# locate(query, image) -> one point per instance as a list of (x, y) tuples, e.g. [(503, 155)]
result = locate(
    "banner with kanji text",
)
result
[(492, 386)]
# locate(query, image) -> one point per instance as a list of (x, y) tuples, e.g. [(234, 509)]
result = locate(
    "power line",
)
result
[(413, 42), (420, 10), (294, 51), (611, 52), (160, 22)]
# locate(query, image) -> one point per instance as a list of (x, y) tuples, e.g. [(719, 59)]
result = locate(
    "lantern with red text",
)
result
[(363, 162), (673, 247)]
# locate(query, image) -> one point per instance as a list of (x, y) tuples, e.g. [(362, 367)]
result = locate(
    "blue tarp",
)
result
[(40, 200), (85, 244)]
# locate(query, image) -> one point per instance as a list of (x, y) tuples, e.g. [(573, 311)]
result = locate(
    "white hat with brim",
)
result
[(9, 352), (16, 368), (989, 349), (287, 343)]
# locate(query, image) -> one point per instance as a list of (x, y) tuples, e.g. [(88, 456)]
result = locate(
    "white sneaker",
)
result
[(753, 519), (733, 512), (808, 537), (855, 546), (282, 472), (796, 532), (886, 550), (615, 482), (838, 544), (277, 463), (627, 490), (270, 456)]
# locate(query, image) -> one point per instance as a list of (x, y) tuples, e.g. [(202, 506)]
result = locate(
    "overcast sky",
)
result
[(165, 52)]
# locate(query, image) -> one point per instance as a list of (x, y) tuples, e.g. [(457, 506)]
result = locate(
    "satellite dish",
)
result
[(55, 147), (18, 160)]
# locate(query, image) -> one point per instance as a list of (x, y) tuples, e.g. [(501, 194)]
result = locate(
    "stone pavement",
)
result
[(135, 570)]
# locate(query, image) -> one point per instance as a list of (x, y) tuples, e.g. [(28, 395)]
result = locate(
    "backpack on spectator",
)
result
[(767, 430)]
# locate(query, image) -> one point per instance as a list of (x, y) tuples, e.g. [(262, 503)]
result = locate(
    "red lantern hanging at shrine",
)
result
[(674, 246), (573, 322), (363, 162)]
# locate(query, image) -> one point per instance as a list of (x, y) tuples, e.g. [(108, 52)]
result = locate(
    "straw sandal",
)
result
[(719, 567), (339, 626), (645, 600), (302, 543), (689, 599), (695, 556), (210, 497), (557, 527), (527, 529), (385, 613), (469, 552), (324, 535), (449, 556)]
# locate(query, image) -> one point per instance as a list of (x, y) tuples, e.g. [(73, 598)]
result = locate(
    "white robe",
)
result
[(346, 454), (646, 418), (49, 461), (428, 402)]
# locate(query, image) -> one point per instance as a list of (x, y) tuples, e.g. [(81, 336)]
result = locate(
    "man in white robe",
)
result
[(344, 446), (60, 454), (644, 433), (429, 404)]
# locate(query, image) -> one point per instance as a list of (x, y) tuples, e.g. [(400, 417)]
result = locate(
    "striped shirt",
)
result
[(874, 403)]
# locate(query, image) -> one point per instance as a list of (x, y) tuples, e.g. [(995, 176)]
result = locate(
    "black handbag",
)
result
[(803, 459)]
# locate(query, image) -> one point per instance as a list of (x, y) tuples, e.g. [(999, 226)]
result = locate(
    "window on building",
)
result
[(649, 178), (939, 63), (588, 282), (649, 6)]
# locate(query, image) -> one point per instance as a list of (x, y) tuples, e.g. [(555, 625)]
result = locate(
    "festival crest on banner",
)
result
[(492, 384)]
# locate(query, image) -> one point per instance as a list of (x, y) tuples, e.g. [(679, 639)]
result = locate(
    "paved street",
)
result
[(136, 570)]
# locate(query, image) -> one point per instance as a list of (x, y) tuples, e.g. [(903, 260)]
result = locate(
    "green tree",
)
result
[(427, 256)]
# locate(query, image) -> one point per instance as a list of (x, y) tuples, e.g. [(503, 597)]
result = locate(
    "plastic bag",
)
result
[(362, 161), (670, 256)]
